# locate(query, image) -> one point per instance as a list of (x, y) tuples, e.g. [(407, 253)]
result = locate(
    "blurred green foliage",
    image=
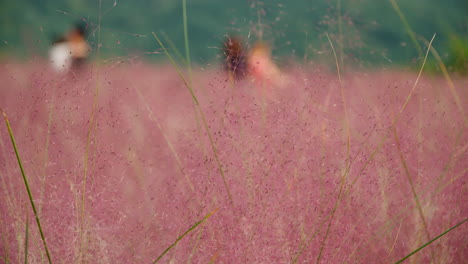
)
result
[(456, 59), (458, 54), (369, 32)]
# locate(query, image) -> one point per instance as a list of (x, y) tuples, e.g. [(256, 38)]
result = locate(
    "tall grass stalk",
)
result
[(202, 115), (433, 51), (398, 215), (413, 189), (46, 151), (395, 119), (407, 27), (188, 60), (186, 39), (431, 241), (91, 127), (384, 138), (26, 184), (453, 154), (340, 31), (447, 77), (195, 246), (166, 138), (348, 158), (345, 239), (173, 47), (345, 107), (184, 234), (303, 245)]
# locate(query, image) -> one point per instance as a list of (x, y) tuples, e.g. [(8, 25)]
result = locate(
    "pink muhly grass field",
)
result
[(120, 165)]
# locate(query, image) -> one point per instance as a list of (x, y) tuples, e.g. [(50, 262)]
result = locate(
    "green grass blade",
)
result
[(431, 241), (340, 32), (26, 183), (195, 100), (407, 27), (205, 124), (173, 47), (184, 234), (186, 40)]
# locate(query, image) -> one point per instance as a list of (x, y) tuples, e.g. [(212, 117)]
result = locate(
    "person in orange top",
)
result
[(69, 52), (265, 73), (79, 48), (257, 65)]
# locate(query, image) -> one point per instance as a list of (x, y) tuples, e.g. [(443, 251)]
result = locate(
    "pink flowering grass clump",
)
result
[(123, 161)]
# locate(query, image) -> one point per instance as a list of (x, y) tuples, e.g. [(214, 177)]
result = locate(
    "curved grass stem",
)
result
[(184, 234)]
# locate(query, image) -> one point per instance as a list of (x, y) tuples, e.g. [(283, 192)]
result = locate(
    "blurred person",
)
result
[(79, 48), (70, 52), (234, 58), (262, 68), (60, 55)]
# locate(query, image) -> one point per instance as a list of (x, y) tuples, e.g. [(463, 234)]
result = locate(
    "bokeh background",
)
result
[(371, 32), (364, 166)]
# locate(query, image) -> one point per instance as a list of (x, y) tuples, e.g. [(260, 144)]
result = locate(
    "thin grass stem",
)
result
[(449, 81), (91, 127), (184, 234), (186, 39), (413, 189), (396, 239), (431, 241), (205, 124), (166, 138), (372, 156), (407, 27), (348, 158), (173, 47), (340, 31), (395, 119), (195, 246), (26, 184)]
